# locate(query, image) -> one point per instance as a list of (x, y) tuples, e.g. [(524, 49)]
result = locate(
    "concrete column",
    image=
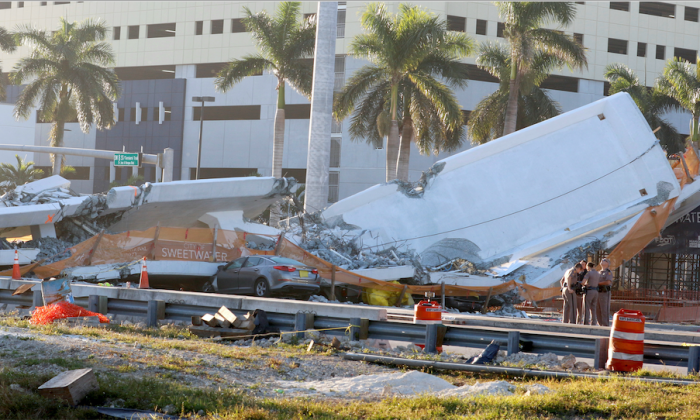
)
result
[(112, 172), (47, 230), (168, 164), (318, 157)]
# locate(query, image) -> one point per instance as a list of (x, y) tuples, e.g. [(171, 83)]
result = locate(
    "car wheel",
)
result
[(262, 289)]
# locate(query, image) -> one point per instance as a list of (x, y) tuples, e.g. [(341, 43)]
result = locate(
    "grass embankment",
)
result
[(571, 398)]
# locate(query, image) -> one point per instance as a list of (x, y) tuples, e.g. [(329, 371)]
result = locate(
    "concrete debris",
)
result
[(342, 245), (547, 360), (408, 384), (51, 249)]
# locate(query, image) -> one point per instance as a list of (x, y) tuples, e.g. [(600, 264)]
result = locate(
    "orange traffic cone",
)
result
[(16, 275), (143, 283)]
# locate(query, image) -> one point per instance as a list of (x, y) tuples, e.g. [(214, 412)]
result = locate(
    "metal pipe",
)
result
[(100, 154), (503, 370)]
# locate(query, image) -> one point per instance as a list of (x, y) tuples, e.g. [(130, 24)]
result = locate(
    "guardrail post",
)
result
[(102, 305), (431, 334), (693, 359), (37, 298), (152, 314), (161, 309), (600, 356), (93, 303), (364, 329), (513, 342), (300, 324), (355, 328)]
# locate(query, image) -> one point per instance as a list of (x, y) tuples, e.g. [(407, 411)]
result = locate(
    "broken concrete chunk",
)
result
[(70, 386), (229, 317), (210, 320), (223, 323)]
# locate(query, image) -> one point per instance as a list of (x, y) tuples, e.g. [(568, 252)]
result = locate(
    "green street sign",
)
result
[(126, 159)]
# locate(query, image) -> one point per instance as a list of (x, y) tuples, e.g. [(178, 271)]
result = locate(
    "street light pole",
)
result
[(201, 99)]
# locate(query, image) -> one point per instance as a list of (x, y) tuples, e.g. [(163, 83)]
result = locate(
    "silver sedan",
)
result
[(266, 276)]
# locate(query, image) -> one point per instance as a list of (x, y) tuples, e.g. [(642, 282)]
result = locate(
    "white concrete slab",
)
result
[(25, 255), (387, 273)]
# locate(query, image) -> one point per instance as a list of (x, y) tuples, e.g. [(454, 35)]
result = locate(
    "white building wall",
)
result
[(16, 132)]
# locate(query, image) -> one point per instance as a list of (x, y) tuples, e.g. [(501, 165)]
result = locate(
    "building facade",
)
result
[(168, 52)]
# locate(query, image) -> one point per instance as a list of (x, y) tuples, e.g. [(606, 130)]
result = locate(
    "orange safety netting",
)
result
[(653, 219), (47, 314)]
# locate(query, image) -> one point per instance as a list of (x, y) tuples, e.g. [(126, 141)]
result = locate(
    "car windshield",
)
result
[(285, 261)]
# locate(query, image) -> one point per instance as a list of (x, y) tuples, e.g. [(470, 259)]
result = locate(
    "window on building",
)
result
[(500, 27), (58, 3), (481, 27), (340, 64), (606, 88), (144, 114), (660, 52), (217, 26), (691, 14), (620, 5), (563, 83), (297, 112), (160, 30), (456, 23), (81, 173), (156, 113), (617, 46), (145, 72), (43, 3), (237, 26), (335, 153), (120, 117), (475, 73), (579, 39), (134, 32), (20, 4), (580, 2), (690, 56), (5, 5), (198, 27), (341, 22), (117, 33), (641, 49), (228, 113), (333, 186), (655, 8)]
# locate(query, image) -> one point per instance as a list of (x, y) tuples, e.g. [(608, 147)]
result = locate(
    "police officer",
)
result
[(580, 296), (604, 286), (568, 294), (590, 303)]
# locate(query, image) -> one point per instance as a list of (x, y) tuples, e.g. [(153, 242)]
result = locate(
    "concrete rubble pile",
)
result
[(342, 246)]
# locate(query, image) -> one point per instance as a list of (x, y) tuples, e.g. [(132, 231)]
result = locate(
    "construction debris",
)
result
[(70, 386), (223, 324)]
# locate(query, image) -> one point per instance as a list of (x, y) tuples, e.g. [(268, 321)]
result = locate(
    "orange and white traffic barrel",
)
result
[(626, 350), (427, 311)]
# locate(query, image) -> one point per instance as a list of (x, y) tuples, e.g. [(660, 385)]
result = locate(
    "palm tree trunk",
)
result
[(405, 149), (56, 140), (392, 142), (511, 120), (694, 129), (278, 149), (319, 154)]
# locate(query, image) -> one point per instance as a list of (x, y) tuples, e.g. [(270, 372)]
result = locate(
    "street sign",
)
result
[(126, 159)]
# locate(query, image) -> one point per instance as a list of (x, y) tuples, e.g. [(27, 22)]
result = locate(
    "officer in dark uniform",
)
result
[(579, 292), (604, 286)]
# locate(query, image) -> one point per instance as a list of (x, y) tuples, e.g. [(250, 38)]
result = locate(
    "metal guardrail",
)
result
[(670, 354)]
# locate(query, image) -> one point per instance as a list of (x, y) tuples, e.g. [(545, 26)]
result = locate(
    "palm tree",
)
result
[(67, 77), (681, 82), (411, 54), (13, 176), (651, 102), (524, 33), (7, 44), (487, 120), (283, 42)]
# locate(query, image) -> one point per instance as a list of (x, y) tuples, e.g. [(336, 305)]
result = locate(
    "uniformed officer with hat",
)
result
[(604, 286)]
